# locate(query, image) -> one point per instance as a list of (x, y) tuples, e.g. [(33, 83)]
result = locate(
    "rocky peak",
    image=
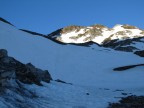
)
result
[(96, 33), (71, 28), (120, 37), (98, 26), (127, 26)]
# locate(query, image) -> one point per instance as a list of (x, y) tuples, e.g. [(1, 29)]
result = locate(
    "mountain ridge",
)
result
[(96, 33), (120, 37), (5, 21)]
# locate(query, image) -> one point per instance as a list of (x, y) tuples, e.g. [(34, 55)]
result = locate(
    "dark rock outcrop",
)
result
[(126, 45), (5, 21), (3, 53), (126, 48), (42, 75), (129, 102), (33, 33), (55, 33), (58, 80), (14, 79), (139, 53), (127, 67), (12, 70)]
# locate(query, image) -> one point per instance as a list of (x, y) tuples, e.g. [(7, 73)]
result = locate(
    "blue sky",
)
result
[(45, 16)]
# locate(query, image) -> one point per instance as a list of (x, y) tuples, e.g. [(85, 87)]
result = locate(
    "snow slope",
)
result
[(74, 64), (58, 95), (90, 69)]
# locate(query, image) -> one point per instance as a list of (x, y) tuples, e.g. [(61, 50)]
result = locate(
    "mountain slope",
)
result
[(74, 64), (22, 86), (89, 69)]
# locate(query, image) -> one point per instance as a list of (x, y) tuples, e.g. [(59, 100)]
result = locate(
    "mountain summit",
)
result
[(120, 37), (96, 33)]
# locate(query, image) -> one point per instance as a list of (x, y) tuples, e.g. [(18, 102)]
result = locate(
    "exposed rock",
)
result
[(12, 70), (122, 40), (123, 45), (124, 93), (58, 80), (6, 77), (86, 44), (98, 26), (126, 26), (55, 33), (126, 49), (33, 33), (3, 53), (55, 40), (129, 102), (87, 94), (14, 76), (42, 75), (71, 28), (139, 53), (127, 67), (118, 90), (5, 21)]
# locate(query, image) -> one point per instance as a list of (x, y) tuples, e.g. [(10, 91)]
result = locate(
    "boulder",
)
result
[(11, 69), (42, 75)]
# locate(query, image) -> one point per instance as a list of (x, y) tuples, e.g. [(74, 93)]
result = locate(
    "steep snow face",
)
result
[(75, 64), (98, 33)]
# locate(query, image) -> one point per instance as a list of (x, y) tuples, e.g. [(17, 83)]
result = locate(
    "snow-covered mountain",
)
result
[(97, 33), (120, 37), (91, 69)]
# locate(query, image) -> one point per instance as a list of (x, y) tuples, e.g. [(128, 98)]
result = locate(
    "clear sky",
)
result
[(45, 16)]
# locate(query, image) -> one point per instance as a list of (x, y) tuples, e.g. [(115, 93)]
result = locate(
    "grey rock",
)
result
[(3, 53), (11, 69), (139, 53), (132, 101), (42, 75)]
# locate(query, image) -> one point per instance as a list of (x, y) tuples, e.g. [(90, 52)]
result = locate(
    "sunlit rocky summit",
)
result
[(120, 37), (97, 33)]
